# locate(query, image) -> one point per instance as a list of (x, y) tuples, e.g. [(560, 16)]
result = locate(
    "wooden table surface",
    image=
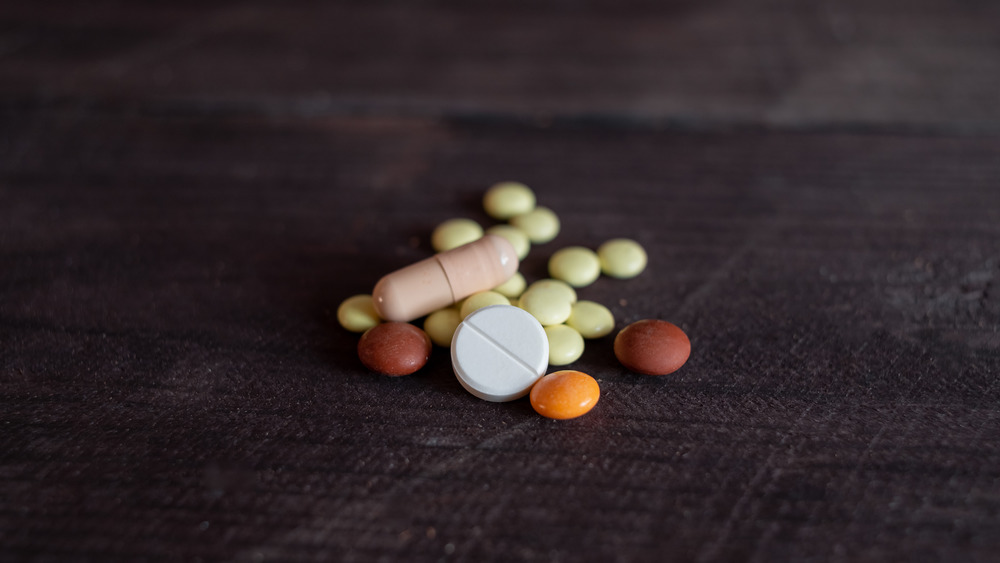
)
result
[(188, 190)]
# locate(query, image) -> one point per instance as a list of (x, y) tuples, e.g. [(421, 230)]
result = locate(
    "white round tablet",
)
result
[(499, 352)]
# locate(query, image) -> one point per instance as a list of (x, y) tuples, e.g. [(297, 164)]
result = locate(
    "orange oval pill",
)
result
[(565, 394)]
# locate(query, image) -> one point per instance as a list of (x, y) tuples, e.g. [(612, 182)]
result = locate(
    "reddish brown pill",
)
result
[(394, 348), (652, 347)]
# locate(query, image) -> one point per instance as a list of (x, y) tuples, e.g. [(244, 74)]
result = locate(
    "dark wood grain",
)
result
[(173, 247), (931, 64)]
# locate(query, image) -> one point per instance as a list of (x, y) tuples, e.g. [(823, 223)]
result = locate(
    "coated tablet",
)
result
[(565, 344), (441, 324), (357, 313), (394, 348), (507, 199), (622, 258), (481, 300), (548, 304), (565, 394), (453, 233), (652, 347), (512, 288), (540, 224), (499, 352), (575, 265), (591, 320)]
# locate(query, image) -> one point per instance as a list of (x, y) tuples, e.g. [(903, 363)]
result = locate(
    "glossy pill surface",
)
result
[(591, 319), (499, 352), (479, 300), (454, 233), (565, 345), (513, 287), (507, 199), (565, 394), (357, 313), (575, 265), (549, 304), (394, 348), (516, 237), (559, 285), (541, 225), (441, 324), (652, 347), (622, 258)]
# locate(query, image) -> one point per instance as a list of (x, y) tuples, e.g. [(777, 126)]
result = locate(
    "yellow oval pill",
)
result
[(575, 265), (479, 300), (559, 285), (357, 313), (591, 320), (441, 324), (507, 199), (454, 233), (547, 304), (541, 224), (565, 394), (514, 236), (622, 258), (565, 345), (513, 287)]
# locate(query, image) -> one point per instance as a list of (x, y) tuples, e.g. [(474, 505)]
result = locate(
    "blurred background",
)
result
[(930, 64)]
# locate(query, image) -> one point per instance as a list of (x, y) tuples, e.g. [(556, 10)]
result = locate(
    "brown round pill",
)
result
[(652, 347), (394, 348)]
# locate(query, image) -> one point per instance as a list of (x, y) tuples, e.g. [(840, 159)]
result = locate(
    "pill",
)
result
[(357, 313), (479, 300), (550, 305), (394, 348), (499, 352), (652, 347), (507, 199), (541, 224), (444, 279), (565, 344), (454, 233), (591, 320), (622, 258), (565, 394), (441, 324), (513, 287), (575, 265), (514, 236), (562, 286)]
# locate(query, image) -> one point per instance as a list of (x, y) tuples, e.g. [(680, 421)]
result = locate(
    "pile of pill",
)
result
[(504, 333)]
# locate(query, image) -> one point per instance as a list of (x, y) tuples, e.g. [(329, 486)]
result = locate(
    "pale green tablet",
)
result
[(454, 233), (514, 236), (565, 345), (622, 258), (513, 287), (550, 305), (591, 320), (541, 225), (507, 199), (482, 299), (441, 324), (357, 313), (559, 285), (575, 265)]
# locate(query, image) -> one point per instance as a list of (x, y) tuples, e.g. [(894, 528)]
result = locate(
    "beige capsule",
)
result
[(444, 279)]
